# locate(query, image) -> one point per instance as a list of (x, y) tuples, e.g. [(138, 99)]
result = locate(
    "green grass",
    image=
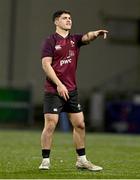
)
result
[(20, 156)]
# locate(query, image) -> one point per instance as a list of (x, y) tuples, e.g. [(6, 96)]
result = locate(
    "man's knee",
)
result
[(80, 125), (77, 120), (50, 127), (50, 123)]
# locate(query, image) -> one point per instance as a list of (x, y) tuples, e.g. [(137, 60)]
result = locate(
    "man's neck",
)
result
[(63, 33)]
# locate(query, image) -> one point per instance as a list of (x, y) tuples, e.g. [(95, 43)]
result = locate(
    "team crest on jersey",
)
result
[(58, 47), (71, 53), (72, 43)]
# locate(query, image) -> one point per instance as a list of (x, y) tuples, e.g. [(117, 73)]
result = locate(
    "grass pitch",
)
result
[(20, 156)]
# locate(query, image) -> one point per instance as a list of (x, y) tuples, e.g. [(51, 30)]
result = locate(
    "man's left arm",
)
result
[(92, 35)]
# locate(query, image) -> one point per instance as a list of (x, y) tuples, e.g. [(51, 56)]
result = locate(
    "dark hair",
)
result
[(59, 13)]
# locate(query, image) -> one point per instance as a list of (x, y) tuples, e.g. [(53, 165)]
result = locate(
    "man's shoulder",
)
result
[(76, 37), (76, 34), (51, 39)]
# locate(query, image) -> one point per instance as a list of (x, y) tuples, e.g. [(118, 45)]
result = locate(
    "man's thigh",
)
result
[(73, 104), (53, 103), (76, 118), (50, 119)]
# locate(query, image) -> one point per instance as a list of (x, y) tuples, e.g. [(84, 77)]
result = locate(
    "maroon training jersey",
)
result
[(64, 53)]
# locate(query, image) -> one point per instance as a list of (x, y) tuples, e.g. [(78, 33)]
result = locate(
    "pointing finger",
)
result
[(105, 35)]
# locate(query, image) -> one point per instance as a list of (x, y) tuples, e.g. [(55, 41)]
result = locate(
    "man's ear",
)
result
[(56, 21)]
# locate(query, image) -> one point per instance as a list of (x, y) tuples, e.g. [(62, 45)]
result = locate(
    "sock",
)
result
[(81, 151), (81, 154), (82, 158), (45, 153)]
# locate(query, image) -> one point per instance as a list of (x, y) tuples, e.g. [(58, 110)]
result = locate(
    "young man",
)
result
[(59, 61)]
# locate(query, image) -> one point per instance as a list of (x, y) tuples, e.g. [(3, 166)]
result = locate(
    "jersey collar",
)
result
[(62, 36)]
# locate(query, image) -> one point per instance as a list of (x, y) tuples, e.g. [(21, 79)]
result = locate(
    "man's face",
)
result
[(64, 22)]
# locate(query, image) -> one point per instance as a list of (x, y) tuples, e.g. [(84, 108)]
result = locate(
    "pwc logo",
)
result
[(65, 61)]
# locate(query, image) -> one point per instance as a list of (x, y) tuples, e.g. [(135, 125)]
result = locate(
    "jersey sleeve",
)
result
[(78, 38), (48, 47)]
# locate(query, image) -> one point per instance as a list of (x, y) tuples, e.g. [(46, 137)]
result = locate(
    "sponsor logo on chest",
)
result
[(72, 43), (65, 61), (58, 47)]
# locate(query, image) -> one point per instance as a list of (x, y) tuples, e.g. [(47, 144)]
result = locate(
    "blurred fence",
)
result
[(16, 105)]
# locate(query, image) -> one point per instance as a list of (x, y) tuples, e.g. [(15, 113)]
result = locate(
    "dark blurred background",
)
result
[(108, 70)]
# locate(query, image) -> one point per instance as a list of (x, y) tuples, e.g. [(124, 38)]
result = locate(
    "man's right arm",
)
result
[(61, 88)]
